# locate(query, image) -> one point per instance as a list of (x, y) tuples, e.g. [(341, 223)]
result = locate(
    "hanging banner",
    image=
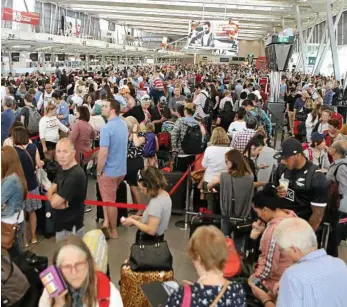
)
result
[(218, 36), (21, 17)]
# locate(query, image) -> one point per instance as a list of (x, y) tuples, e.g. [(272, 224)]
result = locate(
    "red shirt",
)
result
[(198, 78)]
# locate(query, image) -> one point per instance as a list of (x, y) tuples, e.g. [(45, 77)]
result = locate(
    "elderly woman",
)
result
[(84, 282), (208, 251)]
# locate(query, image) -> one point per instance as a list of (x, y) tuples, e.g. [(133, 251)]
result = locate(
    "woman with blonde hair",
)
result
[(84, 282), (13, 192), (214, 159), (135, 162), (49, 127), (209, 253)]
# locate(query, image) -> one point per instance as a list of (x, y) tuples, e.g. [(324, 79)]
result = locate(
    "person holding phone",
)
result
[(271, 263), (84, 283)]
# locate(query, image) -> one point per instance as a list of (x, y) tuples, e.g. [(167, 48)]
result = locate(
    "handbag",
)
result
[(150, 256), (9, 233)]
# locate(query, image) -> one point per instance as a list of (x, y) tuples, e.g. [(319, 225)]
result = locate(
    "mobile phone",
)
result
[(257, 282), (53, 280)]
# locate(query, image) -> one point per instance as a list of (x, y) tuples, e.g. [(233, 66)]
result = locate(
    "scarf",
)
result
[(77, 296)]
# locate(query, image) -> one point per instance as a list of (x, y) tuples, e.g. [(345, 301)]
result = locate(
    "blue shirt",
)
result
[(317, 280), (120, 99), (37, 96), (7, 119), (114, 136), (63, 109)]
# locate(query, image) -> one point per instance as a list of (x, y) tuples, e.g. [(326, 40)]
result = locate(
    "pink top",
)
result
[(271, 262), (82, 134)]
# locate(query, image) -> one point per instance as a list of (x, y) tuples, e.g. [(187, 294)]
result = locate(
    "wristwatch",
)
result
[(98, 174)]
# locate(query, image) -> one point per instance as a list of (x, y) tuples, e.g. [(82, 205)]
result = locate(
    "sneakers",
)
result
[(87, 209)]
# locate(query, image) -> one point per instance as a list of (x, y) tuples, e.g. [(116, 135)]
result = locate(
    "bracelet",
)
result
[(267, 301)]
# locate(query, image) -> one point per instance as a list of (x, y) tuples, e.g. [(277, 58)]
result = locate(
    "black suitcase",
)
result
[(121, 198), (198, 221), (178, 198), (46, 219)]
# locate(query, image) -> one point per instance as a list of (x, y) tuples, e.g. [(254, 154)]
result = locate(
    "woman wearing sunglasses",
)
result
[(84, 283)]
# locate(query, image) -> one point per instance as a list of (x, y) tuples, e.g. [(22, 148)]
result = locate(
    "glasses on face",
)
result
[(145, 99), (78, 266)]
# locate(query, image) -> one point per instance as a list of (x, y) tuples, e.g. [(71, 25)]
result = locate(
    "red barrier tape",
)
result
[(35, 137), (96, 203), (88, 153)]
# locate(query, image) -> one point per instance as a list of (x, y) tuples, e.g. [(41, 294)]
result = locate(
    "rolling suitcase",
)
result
[(179, 196), (198, 221), (131, 282), (121, 198)]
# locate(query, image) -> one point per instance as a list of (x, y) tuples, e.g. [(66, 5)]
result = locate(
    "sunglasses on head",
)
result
[(145, 99)]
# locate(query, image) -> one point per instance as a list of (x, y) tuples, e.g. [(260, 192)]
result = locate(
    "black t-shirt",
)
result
[(136, 112), (302, 193), (156, 114), (72, 186), (291, 101)]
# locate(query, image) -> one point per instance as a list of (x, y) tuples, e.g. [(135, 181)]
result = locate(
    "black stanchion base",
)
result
[(182, 225)]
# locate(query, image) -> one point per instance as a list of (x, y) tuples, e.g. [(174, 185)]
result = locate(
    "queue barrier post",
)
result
[(184, 225)]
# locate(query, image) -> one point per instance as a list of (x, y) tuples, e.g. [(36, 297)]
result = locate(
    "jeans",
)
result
[(17, 248), (61, 235)]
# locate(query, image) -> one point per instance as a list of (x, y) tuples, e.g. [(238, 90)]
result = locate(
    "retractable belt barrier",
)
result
[(35, 137)]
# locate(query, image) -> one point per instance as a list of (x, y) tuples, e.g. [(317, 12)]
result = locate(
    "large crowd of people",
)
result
[(147, 118)]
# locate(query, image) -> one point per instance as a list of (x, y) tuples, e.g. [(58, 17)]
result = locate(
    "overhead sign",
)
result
[(82, 57), (15, 56), (219, 36), (21, 17), (34, 56), (312, 60), (48, 57)]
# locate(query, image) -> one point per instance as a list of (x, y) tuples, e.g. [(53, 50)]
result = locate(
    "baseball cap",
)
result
[(162, 99), (316, 137), (145, 97), (289, 147)]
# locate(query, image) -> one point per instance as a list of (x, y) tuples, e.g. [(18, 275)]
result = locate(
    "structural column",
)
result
[(333, 44), (301, 38)]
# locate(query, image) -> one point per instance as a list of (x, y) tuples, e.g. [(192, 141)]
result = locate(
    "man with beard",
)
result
[(207, 39)]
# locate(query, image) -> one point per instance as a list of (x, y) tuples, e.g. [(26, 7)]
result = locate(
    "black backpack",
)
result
[(192, 140), (208, 107)]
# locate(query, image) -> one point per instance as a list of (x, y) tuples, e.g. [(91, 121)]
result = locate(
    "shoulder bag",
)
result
[(9, 233), (150, 256)]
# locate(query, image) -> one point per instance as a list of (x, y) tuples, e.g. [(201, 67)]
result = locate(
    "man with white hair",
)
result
[(314, 280)]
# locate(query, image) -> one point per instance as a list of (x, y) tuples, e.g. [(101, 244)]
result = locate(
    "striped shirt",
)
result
[(316, 280), (158, 84)]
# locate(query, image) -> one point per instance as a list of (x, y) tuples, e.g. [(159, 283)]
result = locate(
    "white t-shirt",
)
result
[(13, 218), (214, 161), (236, 127), (77, 100), (115, 298), (49, 128)]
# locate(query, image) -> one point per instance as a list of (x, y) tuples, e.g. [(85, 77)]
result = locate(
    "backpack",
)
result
[(33, 120), (334, 194), (192, 140), (208, 107), (103, 289), (14, 284), (149, 149), (233, 265), (164, 140), (228, 107)]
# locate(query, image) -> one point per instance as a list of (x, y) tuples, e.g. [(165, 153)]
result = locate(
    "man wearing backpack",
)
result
[(337, 174), (204, 105), (29, 116), (263, 120), (301, 187)]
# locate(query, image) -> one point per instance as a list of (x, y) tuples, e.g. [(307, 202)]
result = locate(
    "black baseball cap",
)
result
[(289, 147)]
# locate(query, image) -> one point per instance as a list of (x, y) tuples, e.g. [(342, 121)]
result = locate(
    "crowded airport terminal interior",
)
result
[(178, 153)]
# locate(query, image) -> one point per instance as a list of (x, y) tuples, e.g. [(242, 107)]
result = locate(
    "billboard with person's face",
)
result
[(218, 36), (72, 27)]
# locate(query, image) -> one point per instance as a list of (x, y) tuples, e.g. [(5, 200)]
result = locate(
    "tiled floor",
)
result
[(119, 249)]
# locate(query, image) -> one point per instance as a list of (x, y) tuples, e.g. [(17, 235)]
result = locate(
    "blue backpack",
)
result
[(149, 149)]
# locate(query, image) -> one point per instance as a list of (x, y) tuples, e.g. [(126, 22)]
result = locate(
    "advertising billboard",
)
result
[(21, 17), (72, 27), (217, 36)]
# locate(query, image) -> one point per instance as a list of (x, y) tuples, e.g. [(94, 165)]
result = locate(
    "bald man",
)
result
[(68, 192)]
